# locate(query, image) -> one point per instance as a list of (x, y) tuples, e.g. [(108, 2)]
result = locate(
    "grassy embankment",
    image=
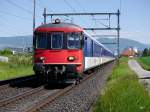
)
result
[(123, 92), (144, 62), (19, 65)]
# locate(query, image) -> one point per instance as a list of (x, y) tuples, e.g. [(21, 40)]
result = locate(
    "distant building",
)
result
[(20, 50), (129, 52)]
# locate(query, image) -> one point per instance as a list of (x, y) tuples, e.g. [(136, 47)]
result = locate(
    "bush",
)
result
[(6, 52), (21, 59)]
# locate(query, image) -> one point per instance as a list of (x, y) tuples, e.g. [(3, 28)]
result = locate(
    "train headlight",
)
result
[(42, 58), (71, 58)]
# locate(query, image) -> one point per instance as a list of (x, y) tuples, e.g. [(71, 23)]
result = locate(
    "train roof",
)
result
[(96, 41), (60, 26)]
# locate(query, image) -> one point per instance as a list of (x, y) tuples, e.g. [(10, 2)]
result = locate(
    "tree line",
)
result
[(146, 52)]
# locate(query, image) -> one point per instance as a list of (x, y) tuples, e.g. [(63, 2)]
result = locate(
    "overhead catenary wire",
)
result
[(101, 23), (120, 5), (10, 29), (69, 5), (80, 5), (20, 17), (18, 6), (2, 21), (40, 4)]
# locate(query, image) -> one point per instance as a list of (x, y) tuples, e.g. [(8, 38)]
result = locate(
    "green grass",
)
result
[(18, 66), (144, 62), (123, 92)]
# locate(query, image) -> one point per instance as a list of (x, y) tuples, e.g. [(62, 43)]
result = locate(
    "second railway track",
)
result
[(22, 101), (16, 87)]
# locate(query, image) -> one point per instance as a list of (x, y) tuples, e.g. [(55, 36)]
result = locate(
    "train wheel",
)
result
[(77, 81), (79, 78), (40, 78)]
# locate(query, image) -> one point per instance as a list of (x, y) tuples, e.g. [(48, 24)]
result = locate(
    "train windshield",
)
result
[(56, 40), (73, 40), (41, 40)]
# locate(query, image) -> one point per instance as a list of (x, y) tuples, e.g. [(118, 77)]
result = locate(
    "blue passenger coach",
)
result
[(95, 53)]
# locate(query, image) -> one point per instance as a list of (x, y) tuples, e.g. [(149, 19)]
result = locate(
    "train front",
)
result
[(58, 51)]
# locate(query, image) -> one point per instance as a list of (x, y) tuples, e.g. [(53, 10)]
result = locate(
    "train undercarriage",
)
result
[(56, 72)]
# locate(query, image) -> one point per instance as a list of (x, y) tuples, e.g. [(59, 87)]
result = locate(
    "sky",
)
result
[(16, 16)]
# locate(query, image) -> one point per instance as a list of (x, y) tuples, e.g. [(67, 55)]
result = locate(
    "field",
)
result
[(123, 92), (18, 66), (144, 62)]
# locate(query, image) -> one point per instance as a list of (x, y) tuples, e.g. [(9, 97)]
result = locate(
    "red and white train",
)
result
[(64, 50)]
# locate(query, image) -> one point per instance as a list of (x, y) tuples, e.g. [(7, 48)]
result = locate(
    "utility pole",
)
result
[(44, 14), (34, 16), (33, 22), (118, 36)]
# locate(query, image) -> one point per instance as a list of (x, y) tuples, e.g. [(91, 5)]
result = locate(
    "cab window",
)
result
[(56, 40), (41, 41), (73, 41)]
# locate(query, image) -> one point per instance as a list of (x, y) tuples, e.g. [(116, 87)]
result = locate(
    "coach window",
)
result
[(41, 40), (48, 40), (73, 40), (56, 40)]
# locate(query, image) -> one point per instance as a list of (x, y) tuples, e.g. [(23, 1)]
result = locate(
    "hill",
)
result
[(124, 43), (16, 41), (26, 41)]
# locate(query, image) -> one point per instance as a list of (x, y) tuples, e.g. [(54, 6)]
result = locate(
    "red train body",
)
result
[(55, 63), (59, 57)]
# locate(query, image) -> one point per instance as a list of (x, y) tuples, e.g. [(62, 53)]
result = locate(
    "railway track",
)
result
[(81, 97), (36, 99), (19, 96), (15, 87), (4, 87), (22, 101), (53, 97)]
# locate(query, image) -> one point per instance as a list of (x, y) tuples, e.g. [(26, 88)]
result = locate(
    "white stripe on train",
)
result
[(91, 62)]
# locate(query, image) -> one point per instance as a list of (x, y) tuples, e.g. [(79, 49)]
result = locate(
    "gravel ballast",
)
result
[(82, 97)]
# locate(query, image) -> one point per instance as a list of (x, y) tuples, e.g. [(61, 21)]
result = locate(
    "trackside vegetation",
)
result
[(123, 92), (19, 65), (6, 52), (145, 62)]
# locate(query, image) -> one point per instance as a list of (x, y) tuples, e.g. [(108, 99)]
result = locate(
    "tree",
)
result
[(145, 52), (149, 52)]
